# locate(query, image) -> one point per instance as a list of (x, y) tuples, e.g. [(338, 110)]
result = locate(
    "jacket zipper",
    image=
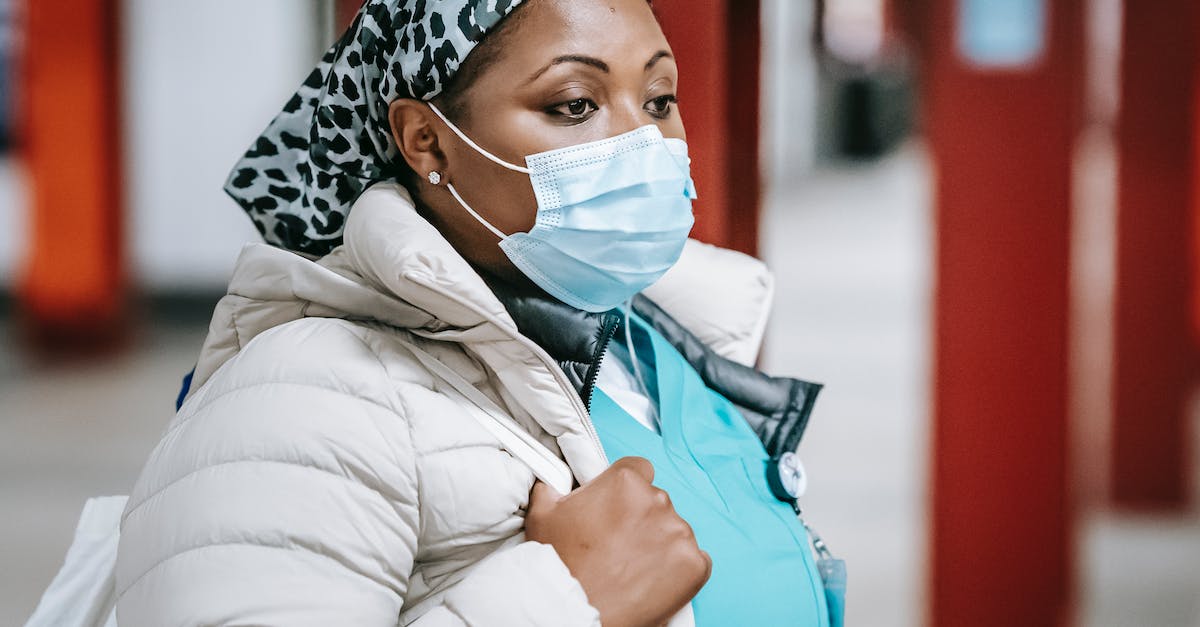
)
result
[(607, 332)]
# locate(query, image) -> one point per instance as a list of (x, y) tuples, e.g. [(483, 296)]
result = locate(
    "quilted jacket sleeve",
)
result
[(290, 497), (525, 585)]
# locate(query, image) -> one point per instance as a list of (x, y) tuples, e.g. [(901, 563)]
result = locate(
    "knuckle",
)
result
[(639, 466), (696, 562), (691, 559), (626, 475), (661, 498), (682, 533)]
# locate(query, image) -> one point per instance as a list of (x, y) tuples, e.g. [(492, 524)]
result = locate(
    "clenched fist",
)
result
[(636, 559)]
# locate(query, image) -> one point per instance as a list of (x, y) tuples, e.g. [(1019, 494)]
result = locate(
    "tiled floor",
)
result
[(850, 246)]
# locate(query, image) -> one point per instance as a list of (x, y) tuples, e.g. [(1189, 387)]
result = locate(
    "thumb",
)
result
[(542, 497)]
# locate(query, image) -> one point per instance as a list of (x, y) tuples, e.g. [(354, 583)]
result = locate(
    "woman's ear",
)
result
[(413, 132)]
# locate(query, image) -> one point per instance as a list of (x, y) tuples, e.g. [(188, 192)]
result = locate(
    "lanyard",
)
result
[(833, 574)]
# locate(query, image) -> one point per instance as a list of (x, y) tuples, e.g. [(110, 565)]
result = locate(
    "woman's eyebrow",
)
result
[(571, 58), (661, 54), (594, 62)]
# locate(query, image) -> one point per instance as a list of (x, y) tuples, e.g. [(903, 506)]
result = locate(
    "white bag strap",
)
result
[(542, 461)]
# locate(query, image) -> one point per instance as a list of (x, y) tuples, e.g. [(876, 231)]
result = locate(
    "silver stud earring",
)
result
[(435, 177)]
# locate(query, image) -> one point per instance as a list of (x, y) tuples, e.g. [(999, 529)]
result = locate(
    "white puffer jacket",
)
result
[(317, 475)]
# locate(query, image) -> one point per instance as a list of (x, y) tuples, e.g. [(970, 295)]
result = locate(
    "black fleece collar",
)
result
[(776, 408)]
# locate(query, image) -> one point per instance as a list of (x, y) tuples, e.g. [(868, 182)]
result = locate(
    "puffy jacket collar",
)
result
[(396, 268), (576, 339), (777, 408)]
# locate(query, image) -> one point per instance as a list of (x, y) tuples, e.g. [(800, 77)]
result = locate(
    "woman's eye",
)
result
[(576, 109), (661, 107)]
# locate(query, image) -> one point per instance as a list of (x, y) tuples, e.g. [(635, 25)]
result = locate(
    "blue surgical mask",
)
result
[(613, 215)]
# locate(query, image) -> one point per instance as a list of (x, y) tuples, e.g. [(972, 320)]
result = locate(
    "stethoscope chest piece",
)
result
[(786, 477)]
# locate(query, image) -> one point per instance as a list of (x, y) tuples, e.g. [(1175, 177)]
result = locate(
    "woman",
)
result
[(478, 190)]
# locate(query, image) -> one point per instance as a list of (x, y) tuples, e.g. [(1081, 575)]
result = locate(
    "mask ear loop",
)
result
[(501, 162), (488, 225), (637, 370), (479, 149)]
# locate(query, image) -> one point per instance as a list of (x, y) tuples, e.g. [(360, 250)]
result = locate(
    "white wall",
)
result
[(13, 221), (789, 96), (202, 79)]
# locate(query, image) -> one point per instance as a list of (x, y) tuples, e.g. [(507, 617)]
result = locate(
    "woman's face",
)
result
[(566, 72)]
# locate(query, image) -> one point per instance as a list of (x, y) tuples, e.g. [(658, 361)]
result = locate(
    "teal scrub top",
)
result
[(714, 467)]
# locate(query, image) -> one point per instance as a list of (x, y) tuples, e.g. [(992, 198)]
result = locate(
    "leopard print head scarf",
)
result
[(332, 139)]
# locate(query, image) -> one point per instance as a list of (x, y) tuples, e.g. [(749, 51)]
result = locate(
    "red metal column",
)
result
[(344, 14), (1155, 367), (74, 281), (1002, 140), (743, 177), (716, 45), (1196, 207)]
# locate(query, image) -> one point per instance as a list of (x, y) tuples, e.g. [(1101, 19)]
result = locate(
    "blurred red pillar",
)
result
[(717, 47), (1002, 140), (1196, 207), (73, 284), (344, 13), (1155, 367)]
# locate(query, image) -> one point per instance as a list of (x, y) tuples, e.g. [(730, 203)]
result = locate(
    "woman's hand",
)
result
[(636, 559)]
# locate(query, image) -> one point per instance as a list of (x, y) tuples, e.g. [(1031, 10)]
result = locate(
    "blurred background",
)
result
[(982, 215)]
